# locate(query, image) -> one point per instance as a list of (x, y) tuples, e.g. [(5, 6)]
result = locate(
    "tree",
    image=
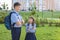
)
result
[(33, 8), (4, 6), (0, 8)]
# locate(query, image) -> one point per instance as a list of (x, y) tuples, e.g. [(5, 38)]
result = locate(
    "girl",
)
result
[(30, 29)]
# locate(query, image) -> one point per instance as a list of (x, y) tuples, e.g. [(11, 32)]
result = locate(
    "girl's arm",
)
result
[(34, 28), (23, 21)]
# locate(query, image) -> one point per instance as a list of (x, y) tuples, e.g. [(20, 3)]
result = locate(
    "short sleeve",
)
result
[(34, 25), (14, 18)]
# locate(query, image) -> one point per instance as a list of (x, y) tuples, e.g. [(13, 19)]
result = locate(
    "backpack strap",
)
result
[(10, 18)]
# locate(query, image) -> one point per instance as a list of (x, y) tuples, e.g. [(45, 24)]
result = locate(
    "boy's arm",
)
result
[(15, 19)]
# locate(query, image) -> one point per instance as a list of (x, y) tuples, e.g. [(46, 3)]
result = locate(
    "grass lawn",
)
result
[(42, 33)]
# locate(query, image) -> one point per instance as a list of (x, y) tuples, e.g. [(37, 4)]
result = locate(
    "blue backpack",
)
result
[(7, 21)]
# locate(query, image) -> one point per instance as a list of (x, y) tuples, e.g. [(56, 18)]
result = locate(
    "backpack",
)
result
[(7, 21)]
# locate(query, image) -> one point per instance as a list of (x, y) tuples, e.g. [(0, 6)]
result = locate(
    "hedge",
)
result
[(38, 19)]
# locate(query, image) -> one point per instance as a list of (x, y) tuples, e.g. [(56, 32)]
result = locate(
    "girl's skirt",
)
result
[(30, 36)]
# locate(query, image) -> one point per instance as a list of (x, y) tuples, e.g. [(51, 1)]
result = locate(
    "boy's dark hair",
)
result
[(16, 4)]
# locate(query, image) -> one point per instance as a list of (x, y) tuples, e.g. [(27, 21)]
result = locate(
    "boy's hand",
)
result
[(18, 23)]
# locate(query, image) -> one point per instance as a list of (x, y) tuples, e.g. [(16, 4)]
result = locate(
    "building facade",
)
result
[(40, 4)]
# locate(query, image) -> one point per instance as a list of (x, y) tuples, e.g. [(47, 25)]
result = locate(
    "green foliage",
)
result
[(37, 22), (37, 15), (33, 12), (33, 9), (2, 16)]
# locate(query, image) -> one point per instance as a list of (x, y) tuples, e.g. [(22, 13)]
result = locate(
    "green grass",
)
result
[(42, 33)]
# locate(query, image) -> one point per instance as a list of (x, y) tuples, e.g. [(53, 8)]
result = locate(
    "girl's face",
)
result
[(30, 20)]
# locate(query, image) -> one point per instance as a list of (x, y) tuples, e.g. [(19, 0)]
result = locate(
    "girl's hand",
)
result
[(34, 28), (29, 30), (23, 22)]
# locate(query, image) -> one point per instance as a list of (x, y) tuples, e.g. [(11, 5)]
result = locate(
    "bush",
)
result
[(39, 20), (2, 16)]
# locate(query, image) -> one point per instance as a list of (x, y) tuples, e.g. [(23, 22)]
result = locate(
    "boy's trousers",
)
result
[(16, 32)]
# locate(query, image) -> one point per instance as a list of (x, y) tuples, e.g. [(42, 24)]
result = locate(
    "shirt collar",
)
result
[(16, 11)]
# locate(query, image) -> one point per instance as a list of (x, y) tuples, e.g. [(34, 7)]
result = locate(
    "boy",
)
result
[(17, 21)]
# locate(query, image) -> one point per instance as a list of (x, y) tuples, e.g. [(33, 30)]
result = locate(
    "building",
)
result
[(57, 5), (40, 4), (49, 5)]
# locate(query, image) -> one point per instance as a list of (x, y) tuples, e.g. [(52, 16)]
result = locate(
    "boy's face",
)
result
[(17, 8)]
